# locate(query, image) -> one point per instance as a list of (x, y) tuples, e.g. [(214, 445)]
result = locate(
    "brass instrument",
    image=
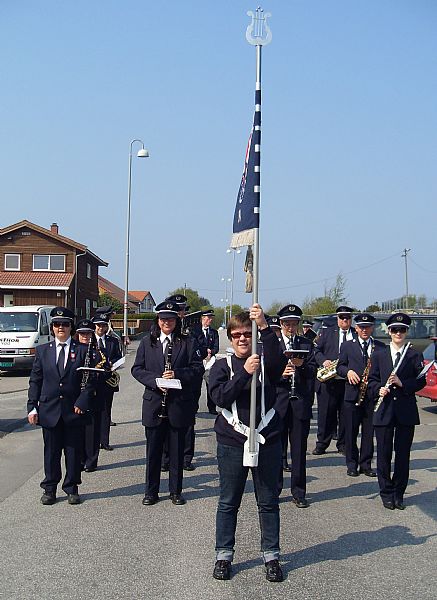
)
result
[(365, 379), (114, 379), (164, 408), (327, 373), (395, 370)]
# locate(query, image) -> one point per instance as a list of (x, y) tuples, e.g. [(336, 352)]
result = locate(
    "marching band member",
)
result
[(356, 357), (308, 331), (331, 393), (394, 377), (230, 383), (295, 394), (109, 349), (166, 353), (58, 402)]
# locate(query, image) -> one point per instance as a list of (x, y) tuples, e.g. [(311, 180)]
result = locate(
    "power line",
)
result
[(420, 267)]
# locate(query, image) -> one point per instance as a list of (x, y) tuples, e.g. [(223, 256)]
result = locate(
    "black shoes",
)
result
[(165, 467), (399, 505), (318, 451), (286, 467), (368, 472), (300, 503), (73, 499), (388, 504), (90, 469), (106, 447), (177, 499), (48, 498), (341, 450), (112, 424), (352, 473), (274, 571), (150, 500), (222, 570), (189, 467)]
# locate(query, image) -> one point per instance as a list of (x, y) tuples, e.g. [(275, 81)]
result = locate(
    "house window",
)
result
[(88, 270), (88, 307), (12, 262), (49, 262)]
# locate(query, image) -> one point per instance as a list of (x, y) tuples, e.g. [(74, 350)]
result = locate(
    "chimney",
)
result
[(54, 228)]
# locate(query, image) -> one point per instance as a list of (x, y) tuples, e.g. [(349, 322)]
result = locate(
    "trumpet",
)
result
[(327, 373), (164, 408)]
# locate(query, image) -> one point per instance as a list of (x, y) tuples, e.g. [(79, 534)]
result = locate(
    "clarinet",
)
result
[(164, 408), (86, 364)]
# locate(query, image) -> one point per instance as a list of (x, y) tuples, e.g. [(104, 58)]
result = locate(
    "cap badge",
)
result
[(59, 313), (169, 305), (365, 318), (291, 308), (399, 318)]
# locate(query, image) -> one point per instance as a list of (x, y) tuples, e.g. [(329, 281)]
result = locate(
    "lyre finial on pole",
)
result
[(258, 32)]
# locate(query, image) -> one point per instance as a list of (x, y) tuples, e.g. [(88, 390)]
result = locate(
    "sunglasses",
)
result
[(236, 335), (60, 324), (345, 317), (398, 330)]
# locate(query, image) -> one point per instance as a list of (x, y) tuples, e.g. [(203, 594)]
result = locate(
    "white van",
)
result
[(22, 328)]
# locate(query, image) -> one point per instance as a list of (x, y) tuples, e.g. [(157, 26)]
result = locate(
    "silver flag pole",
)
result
[(258, 34)]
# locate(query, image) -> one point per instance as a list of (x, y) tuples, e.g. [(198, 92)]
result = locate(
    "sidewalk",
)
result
[(346, 545)]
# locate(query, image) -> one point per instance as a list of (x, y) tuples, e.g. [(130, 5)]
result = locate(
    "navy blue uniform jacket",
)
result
[(304, 382), (400, 403), (351, 357), (224, 391), (54, 396), (187, 366), (326, 344)]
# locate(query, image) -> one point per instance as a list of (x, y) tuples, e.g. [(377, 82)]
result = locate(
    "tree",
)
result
[(194, 301), (372, 308), (275, 306), (334, 296), (106, 299)]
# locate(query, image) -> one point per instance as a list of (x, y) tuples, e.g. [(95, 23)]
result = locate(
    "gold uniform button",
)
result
[(60, 385), (61, 397)]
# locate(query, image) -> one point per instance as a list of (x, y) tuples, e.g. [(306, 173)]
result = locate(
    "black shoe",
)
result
[(189, 467), (106, 447), (112, 424), (300, 503), (368, 472), (150, 500), (90, 469), (177, 499), (48, 498), (286, 467), (352, 473), (165, 468), (341, 450), (388, 504), (274, 571), (222, 570), (318, 451), (399, 505), (73, 498)]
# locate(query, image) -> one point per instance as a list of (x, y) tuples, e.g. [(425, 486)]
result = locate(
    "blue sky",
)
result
[(349, 147)]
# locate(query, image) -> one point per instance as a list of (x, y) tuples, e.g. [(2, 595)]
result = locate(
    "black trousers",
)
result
[(296, 431), (353, 418), (91, 445), (155, 437), (65, 437), (330, 400), (106, 417), (392, 487), (190, 436)]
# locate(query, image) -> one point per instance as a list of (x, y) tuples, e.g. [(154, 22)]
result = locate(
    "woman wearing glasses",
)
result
[(394, 378), (230, 382)]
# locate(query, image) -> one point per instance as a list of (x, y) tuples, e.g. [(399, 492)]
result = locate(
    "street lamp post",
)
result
[(142, 153), (226, 299), (234, 251), (404, 255)]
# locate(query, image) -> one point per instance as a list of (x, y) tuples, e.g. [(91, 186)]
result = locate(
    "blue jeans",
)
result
[(232, 483)]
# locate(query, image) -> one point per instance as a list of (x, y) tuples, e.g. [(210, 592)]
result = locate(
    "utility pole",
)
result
[(404, 255)]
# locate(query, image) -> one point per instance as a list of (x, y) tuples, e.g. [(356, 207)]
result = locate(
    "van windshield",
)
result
[(18, 321)]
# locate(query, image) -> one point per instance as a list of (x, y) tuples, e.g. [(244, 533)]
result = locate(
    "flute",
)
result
[(395, 370)]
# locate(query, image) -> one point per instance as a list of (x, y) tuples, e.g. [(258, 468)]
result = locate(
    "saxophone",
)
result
[(164, 409), (365, 379)]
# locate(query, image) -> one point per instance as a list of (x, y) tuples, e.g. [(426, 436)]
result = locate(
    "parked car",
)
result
[(430, 390), (22, 329)]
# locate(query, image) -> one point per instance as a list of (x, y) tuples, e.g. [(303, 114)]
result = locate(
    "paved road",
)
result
[(345, 545)]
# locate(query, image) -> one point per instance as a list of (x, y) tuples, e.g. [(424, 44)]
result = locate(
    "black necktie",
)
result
[(101, 346), (290, 344), (344, 337), (61, 360), (397, 359), (207, 332), (365, 355), (166, 343)]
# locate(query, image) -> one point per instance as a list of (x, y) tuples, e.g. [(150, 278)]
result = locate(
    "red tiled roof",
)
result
[(116, 292), (13, 279), (139, 295)]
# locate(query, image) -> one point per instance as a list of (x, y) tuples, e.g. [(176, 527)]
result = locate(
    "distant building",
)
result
[(145, 300), (107, 287), (40, 266)]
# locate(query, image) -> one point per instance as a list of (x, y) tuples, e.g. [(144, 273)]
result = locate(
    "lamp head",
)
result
[(143, 153)]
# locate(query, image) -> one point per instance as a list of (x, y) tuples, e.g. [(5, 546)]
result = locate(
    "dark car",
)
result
[(430, 390)]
